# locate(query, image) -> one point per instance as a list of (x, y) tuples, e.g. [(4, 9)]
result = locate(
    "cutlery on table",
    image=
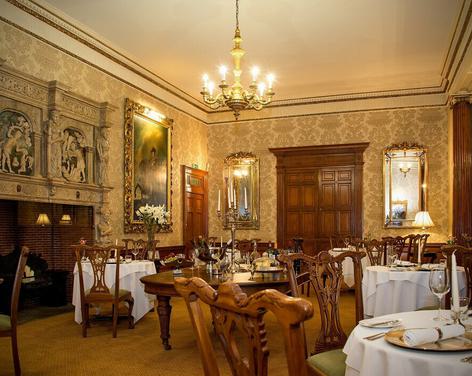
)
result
[(389, 322), (375, 336)]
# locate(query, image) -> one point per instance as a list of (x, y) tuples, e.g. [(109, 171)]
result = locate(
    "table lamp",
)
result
[(423, 220), (43, 219)]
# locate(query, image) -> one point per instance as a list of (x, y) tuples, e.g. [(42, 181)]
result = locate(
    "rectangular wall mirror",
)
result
[(405, 184), (241, 175)]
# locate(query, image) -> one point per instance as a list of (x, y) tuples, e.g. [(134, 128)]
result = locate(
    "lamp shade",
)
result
[(66, 219), (423, 220), (43, 219)]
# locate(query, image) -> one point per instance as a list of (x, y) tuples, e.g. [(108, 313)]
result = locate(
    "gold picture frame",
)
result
[(148, 163)]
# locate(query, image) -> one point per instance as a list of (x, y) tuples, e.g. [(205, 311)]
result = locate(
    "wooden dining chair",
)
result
[(233, 313), (326, 276), (464, 259), (9, 323), (376, 251), (397, 243), (99, 293)]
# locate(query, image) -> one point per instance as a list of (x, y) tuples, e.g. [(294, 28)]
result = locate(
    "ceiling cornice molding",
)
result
[(460, 46)]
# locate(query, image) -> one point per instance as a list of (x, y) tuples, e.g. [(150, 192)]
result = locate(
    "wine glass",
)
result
[(192, 256), (439, 286), (135, 252), (458, 314), (346, 242)]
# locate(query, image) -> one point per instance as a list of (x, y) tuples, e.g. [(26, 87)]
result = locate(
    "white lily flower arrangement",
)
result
[(154, 217)]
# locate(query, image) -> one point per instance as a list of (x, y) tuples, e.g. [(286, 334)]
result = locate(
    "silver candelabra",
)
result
[(230, 217)]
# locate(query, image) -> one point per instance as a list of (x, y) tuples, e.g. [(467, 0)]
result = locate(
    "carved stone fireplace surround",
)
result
[(59, 152)]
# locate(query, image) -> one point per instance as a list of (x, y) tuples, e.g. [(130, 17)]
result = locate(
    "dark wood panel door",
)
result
[(319, 193), (301, 202), (195, 208)]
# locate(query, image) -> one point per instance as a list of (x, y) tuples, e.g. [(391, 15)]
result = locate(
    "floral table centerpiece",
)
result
[(155, 219)]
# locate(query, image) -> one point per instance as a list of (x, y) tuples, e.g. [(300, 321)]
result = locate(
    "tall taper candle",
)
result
[(219, 200), (420, 251), (245, 198), (234, 198), (229, 198), (454, 284)]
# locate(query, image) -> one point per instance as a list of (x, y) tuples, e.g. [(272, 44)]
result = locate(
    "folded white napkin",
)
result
[(340, 249), (403, 263), (416, 337)]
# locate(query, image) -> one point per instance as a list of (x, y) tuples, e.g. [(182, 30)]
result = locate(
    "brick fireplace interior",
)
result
[(18, 228)]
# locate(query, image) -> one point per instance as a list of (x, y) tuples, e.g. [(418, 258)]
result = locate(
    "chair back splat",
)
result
[(326, 276), (239, 324)]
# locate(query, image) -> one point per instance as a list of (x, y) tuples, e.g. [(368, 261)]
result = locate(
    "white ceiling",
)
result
[(314, 47)]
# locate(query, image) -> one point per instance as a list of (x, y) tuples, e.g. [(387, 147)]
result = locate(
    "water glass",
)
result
[(460, 314), (128, 259), (439, 286)]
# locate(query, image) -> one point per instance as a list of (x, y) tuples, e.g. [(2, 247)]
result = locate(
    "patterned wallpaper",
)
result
[(42, 61), (427, 126)]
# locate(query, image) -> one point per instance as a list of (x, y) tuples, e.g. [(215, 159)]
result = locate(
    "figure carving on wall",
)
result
[(56, 138), (103, 151), (73, 156), (104, 226), (16, 156)]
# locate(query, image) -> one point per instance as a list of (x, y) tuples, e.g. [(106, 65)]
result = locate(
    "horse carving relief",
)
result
[(16, 147)]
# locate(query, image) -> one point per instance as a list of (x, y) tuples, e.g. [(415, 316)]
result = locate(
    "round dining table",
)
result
[(379, 357), (162, 285), (389, 290)]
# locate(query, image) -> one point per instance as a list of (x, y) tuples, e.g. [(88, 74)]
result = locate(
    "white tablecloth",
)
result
[(374, 358), (348, 265), (129, 280), (387, 291)]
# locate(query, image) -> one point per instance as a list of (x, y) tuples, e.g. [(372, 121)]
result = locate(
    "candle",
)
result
[(245, 198), (255, 73), (116, 241), (420, 251), (270, 80), (221, 241), (454, 285), (234, 198), (229, 198), (223, 71), (219, 200)]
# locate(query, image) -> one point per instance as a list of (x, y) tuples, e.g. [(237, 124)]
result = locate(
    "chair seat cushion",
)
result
[(329, 363), (5, 323)]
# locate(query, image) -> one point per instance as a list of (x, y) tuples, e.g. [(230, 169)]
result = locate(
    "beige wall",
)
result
[(189, 144), (427, 126)]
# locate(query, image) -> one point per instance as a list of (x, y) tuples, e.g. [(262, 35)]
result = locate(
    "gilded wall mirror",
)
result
[(405, 184), (241, 177)]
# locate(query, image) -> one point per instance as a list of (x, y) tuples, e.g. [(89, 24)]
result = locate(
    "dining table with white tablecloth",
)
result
[(130, 273), (379, 357), (388, 290), (348, 265)]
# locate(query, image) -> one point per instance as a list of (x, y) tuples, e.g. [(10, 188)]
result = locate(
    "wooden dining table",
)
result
[(162, 285)]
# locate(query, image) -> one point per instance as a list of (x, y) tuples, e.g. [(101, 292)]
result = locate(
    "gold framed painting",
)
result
[(148, 168)]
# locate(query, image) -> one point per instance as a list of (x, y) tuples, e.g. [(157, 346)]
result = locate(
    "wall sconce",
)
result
[(43, 220), (404, 169)]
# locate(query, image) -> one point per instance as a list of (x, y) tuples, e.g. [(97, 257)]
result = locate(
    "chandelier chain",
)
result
[(237, 14)]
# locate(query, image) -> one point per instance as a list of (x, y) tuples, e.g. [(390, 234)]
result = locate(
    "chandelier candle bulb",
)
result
[(245, 198), (454, 284), (205, 81), (211, 87), (270, 80), (223, 71), (255, 73)]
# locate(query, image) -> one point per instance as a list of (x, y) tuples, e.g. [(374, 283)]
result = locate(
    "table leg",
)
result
[(164, 309)]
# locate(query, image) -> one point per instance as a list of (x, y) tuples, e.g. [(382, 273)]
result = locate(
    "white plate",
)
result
[(379, 323)]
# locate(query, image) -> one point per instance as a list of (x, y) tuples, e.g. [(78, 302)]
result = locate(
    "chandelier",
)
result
[(235, 96)]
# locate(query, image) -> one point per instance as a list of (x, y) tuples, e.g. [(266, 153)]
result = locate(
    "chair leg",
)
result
[(85, 319), (115, 318), (130, 313), (14, 350), (155, 310)]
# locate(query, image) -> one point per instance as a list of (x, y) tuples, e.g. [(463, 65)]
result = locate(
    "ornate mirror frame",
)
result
[(142, 187), (241, 178), (404, 161)]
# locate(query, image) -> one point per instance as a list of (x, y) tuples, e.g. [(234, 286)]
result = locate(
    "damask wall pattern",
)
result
[(426, 126), (31, 56)]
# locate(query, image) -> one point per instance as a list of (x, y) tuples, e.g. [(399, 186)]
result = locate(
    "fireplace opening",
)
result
[(48, 230)]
